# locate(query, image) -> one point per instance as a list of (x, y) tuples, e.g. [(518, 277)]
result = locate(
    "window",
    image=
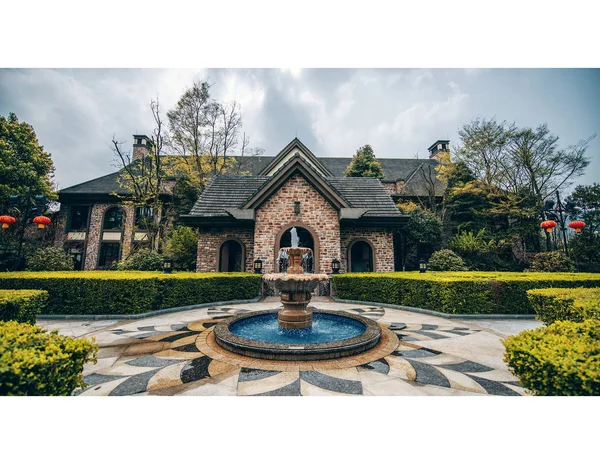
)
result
[(361, 257), (113, 219), (78, 217), (76, 251), (109, 253), (143, 216), (231, 257)]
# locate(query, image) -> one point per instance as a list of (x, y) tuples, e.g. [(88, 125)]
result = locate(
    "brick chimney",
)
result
[(439, 147), (141, 147)]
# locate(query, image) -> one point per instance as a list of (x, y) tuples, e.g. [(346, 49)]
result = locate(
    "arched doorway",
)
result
[(305, 239), (231, 256), (360, 256)]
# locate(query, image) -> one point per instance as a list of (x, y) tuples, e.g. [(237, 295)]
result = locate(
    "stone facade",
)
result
[(209, 244), (316, 215), (380, 239)]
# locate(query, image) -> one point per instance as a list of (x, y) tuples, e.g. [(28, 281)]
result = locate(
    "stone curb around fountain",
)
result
[(431, 312)]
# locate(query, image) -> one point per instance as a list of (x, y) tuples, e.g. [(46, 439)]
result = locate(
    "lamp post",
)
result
[(258, 266), (335, 266), (167, 266), (554, 212), (422, 266)]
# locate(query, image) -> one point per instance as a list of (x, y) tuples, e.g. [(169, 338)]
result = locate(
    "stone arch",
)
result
[(313, 233), (368, 262), (220, 262)]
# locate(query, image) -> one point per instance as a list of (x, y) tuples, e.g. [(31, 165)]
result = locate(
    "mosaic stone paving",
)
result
[(173, 358)]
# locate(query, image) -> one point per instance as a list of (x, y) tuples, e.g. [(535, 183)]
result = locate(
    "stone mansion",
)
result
[(244, 218)]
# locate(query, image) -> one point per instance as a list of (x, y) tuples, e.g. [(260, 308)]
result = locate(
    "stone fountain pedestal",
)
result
[(295, 287)]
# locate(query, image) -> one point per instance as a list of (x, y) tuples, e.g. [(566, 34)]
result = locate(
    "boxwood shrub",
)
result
[(36, 362), (560, 359), (565, 304), (456, 292), (22, 305), (131, 292)]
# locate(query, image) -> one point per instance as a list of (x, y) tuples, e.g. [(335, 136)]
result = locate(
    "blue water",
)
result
[(325, 328)]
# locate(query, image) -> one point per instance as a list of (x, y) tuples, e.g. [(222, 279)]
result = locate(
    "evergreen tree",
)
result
[(364, 164)]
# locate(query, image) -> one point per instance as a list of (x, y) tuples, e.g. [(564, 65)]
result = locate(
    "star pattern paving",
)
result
[(172, 359)]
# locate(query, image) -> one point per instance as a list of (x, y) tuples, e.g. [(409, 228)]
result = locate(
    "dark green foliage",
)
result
[(142, 260), (22, 305), (182, 247), (560, 359), (49, 259), (23, 161), (458, 292), (34, 362), (364, 164), (446, 260), (131, 292), (585, 246), (421, 234), (551, 261)]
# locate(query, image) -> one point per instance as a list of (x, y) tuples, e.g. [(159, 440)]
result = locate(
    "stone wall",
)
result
[(381, 240), (316, 214), (209, 244)]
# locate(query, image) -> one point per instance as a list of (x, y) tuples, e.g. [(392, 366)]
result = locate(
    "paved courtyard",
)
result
[(175, 354)]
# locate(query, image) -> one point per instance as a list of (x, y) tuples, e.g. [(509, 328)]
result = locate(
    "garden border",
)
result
[(431, 312), (158, 312)]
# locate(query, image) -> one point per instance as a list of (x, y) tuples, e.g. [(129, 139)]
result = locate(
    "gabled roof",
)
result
[(296, 164), (368, 193), (288, 152)]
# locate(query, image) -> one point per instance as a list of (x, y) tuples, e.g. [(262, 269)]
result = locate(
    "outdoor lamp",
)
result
[(335, 266), (7, 221), (41, 221), (577, 225), (167, 266), (258, 266), (422, 266)]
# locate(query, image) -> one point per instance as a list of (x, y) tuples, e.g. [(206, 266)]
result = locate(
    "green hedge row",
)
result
[(35, 362), (456, 292), (22, 305), (131, 292), (565, 304), (560, 359)]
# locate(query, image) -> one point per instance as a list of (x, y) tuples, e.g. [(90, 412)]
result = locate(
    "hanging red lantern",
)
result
[(577, 225), (6, 221), (41, 221), (548, 225)]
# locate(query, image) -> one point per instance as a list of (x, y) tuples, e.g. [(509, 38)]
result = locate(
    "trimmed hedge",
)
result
[(559, 359), (131, 292), (36, 362), (22, 305), (565, 304), (456, 292)]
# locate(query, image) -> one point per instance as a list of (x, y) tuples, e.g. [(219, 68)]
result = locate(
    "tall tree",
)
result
[(23, 161), (364, 164), (146, 181)]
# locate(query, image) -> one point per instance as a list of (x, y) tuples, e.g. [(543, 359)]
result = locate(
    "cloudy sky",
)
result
[(400, 112)]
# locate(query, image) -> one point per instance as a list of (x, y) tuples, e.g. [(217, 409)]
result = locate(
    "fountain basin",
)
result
[(332, 335)]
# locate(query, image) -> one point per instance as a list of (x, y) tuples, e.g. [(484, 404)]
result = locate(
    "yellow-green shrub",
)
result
[(565, 304), (560, 359), (131, 292), (36, 362), (22, 305), (456, 292)]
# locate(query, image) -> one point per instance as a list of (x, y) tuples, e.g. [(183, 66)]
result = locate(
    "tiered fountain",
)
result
[(297, 331)]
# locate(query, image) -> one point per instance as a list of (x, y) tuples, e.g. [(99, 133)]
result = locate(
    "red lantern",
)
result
[(577, 225), (41, 221), (6, 221), (548, 225)]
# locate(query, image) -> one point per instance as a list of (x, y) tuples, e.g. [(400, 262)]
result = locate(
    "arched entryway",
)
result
[(306, 238), (231, 256), (360, 256)]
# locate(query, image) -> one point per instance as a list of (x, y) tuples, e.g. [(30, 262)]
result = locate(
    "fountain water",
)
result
[(289, 333)]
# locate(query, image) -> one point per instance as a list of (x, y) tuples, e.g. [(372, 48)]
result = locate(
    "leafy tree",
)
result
[(364, 164), (421, 234), (49, 259), (23, 161), (182, 247), (585, 246)]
